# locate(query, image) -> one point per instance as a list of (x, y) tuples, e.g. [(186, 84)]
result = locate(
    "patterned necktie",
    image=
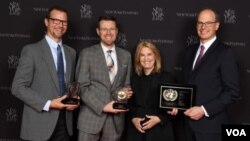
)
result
[(110, 61), (60, 70), (110, 64), (200, 55)]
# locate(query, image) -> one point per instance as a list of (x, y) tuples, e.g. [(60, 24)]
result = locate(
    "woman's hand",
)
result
[(151, 122)]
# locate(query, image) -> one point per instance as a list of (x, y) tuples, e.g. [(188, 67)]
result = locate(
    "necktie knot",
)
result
[(202, 49), (109, 51)]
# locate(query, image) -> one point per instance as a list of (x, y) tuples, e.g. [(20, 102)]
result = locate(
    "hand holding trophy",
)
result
[(72, 92), (121, 97)]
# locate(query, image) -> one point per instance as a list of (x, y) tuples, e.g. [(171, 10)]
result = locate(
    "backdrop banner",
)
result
[(171, 25)]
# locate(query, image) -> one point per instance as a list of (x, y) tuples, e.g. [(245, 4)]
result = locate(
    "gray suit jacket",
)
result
[(35, 83), (96, 89)]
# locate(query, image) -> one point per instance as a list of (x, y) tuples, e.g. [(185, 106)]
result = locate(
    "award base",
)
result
[(71, 101), (120, 106)]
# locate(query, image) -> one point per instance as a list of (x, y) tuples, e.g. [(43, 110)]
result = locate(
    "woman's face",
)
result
[(147, 59)]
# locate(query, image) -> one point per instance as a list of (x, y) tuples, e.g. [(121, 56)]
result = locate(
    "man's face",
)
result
[(56, 24), (107, 32), (207, 25)]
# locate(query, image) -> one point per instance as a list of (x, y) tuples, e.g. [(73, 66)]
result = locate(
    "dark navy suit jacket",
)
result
[(217, 80)]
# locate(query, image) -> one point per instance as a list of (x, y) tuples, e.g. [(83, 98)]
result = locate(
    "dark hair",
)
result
[(217, 17), (56, 7), (106, 18)]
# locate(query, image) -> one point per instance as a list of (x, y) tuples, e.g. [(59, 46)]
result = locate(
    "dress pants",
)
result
[(108, 132), (191, 135), (60, 133)]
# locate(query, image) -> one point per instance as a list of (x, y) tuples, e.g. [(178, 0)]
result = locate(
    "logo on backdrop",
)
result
[(14, 8), (235, 43), (121, 12), (248, 70), (159, 41), (11, 115), (86, 11), (158, 14), (185, 14), (121, 40), (191, 40), (13, 61), (230, 16)]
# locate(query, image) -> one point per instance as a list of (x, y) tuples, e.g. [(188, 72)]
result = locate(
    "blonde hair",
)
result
[(154, 49)]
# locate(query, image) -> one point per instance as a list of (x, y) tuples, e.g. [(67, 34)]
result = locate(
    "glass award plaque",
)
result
[(177, 96), (72, 92)]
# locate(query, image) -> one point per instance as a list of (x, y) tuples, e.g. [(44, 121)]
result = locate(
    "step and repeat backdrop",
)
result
[(169, 24)]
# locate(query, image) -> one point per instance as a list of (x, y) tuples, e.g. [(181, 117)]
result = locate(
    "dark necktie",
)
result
[(60, 70), (200, 55)]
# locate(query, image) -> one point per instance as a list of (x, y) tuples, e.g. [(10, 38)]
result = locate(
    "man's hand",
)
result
[(128, 91), (108, 108), (195, 113), (57, 104)]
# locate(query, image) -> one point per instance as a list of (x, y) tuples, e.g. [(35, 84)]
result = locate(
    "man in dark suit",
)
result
[(216, 75), (102, 69), (38, 85)]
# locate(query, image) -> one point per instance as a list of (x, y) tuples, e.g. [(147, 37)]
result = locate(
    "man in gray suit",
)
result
[(100, 78), (37, 84)]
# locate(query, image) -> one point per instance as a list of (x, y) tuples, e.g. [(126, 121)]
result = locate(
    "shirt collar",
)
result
[(209, 43), (52, 43), (105, 48)]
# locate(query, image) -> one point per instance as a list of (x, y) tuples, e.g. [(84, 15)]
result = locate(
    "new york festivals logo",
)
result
[(14, 8), (191, 40), (86, 11), (13, 61), (230, 16), (158, 14), (122, 40), (11, 115)]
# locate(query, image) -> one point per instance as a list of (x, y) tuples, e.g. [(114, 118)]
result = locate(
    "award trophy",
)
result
[(72, 92), (177, 96), (120, 100)]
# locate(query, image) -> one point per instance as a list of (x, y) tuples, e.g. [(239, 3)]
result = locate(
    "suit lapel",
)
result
[(68, 64), (101, 58), (118, 56), (49, 61), (207, 54)]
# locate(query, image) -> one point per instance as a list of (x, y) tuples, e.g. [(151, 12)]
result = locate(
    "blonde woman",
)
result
[(146, 121)]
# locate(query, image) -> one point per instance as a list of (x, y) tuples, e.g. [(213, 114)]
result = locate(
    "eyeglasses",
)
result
[(107, 30), (57, 21), (209, 23)]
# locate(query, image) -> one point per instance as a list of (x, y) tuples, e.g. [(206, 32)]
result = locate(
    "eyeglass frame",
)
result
[(57, 21), (108, 30), (208, 23)]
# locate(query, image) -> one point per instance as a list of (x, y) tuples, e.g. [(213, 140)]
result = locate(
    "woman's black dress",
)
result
[(145, 101)]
